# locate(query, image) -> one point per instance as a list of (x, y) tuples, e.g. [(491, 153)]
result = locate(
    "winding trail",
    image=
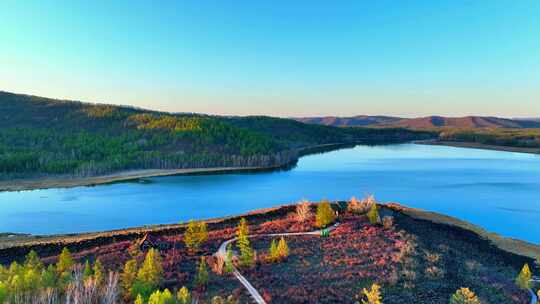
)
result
[(222, 253)]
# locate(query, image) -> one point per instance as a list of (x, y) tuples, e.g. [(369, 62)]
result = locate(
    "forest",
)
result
[(523, 138), (43, 137)]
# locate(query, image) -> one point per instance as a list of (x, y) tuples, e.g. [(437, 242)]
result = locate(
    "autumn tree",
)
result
[(523, 280), (65, 261), (373, 214), (161, 297), (32, 261), (202, 274), (464, 296), (87, 272), (128, 276), (183, 296), (98, 271), (303, 211), (372, 296), (325, 214), (196, 234), (246, 252), (273, 254), (229, 267), (149, 275), (139, 299), (282, 248)]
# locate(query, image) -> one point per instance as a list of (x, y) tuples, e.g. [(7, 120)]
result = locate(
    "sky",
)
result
[(280, 58)]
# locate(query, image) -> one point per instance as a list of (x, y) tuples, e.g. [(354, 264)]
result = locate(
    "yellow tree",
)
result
[(128, 276), (273, 254), (246, 252), (523, 280), (99, 272), (325, 214), (202, 274), (373, 214), (373, 295), (196, 234), (282, 248), (464, 296), (151, 271), (183, 296), (65, 261)]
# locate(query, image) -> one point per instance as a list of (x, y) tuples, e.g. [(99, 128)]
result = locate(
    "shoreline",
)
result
[(473, 145), (23, 184), (20, 244)]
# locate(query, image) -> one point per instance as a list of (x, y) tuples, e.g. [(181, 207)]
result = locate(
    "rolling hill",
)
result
[(424, 122), (43, 137)]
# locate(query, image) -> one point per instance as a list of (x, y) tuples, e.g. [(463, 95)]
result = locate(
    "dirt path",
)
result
[(222, 253)]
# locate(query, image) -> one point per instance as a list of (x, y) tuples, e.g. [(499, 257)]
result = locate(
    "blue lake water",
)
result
[(499, 191)]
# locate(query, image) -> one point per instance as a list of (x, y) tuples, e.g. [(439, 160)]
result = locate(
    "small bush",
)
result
[(523, 280), (303, 211), (325, 214), (464, 296), (388, 222)]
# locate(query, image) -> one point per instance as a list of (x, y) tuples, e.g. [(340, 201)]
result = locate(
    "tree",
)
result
[(523, 280), (202, 274), (373, 214), (87, 273), (273, 254), (33, 262), (183, 296), (464, 296), (139, 299), (3, 292), (229, 267), (196, 234), (149, 275), (65, 261), (161, 297), (303, 211), (373, 296), (282, 248), (98, 270), (49, 277), (129, 275), (246, 252), (325, 215)]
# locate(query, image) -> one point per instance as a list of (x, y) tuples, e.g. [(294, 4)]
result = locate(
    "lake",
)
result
[(499, 191)]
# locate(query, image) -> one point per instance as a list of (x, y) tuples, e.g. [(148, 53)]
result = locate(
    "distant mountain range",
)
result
[(424, 122)]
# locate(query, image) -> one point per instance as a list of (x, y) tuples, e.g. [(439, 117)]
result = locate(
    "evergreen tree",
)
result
[(373, 214), (282, 248), (325, 214), (202, 274), (4, 292), (32, 281), (464, 296), (129, 275), (99, 272), (88, 273), (523, 280), (246, 252), (202, 233), (183, 296), (65, 261), (161, 297)]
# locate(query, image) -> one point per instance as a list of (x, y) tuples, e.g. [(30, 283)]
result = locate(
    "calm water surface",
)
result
[(499, 191)]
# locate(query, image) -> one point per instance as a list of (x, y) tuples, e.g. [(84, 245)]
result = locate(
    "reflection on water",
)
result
[(497, 190)]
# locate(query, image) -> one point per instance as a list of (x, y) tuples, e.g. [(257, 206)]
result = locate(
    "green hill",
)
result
[(41, 136)]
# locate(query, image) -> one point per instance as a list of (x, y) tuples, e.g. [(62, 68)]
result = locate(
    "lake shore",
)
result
[(12, 245), (473, 145), (23, 184)]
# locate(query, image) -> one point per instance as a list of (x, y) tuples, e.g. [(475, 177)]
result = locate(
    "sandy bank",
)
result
[(68, 182), (460, 144)]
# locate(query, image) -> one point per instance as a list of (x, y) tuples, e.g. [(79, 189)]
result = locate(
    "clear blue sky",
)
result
[(284, 58)]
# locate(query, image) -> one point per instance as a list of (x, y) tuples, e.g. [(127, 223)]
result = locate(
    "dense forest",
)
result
[(523, 138), (41, 136)]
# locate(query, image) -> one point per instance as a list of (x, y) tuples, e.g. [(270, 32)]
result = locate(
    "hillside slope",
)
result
[(424, 122), (43, 137)]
